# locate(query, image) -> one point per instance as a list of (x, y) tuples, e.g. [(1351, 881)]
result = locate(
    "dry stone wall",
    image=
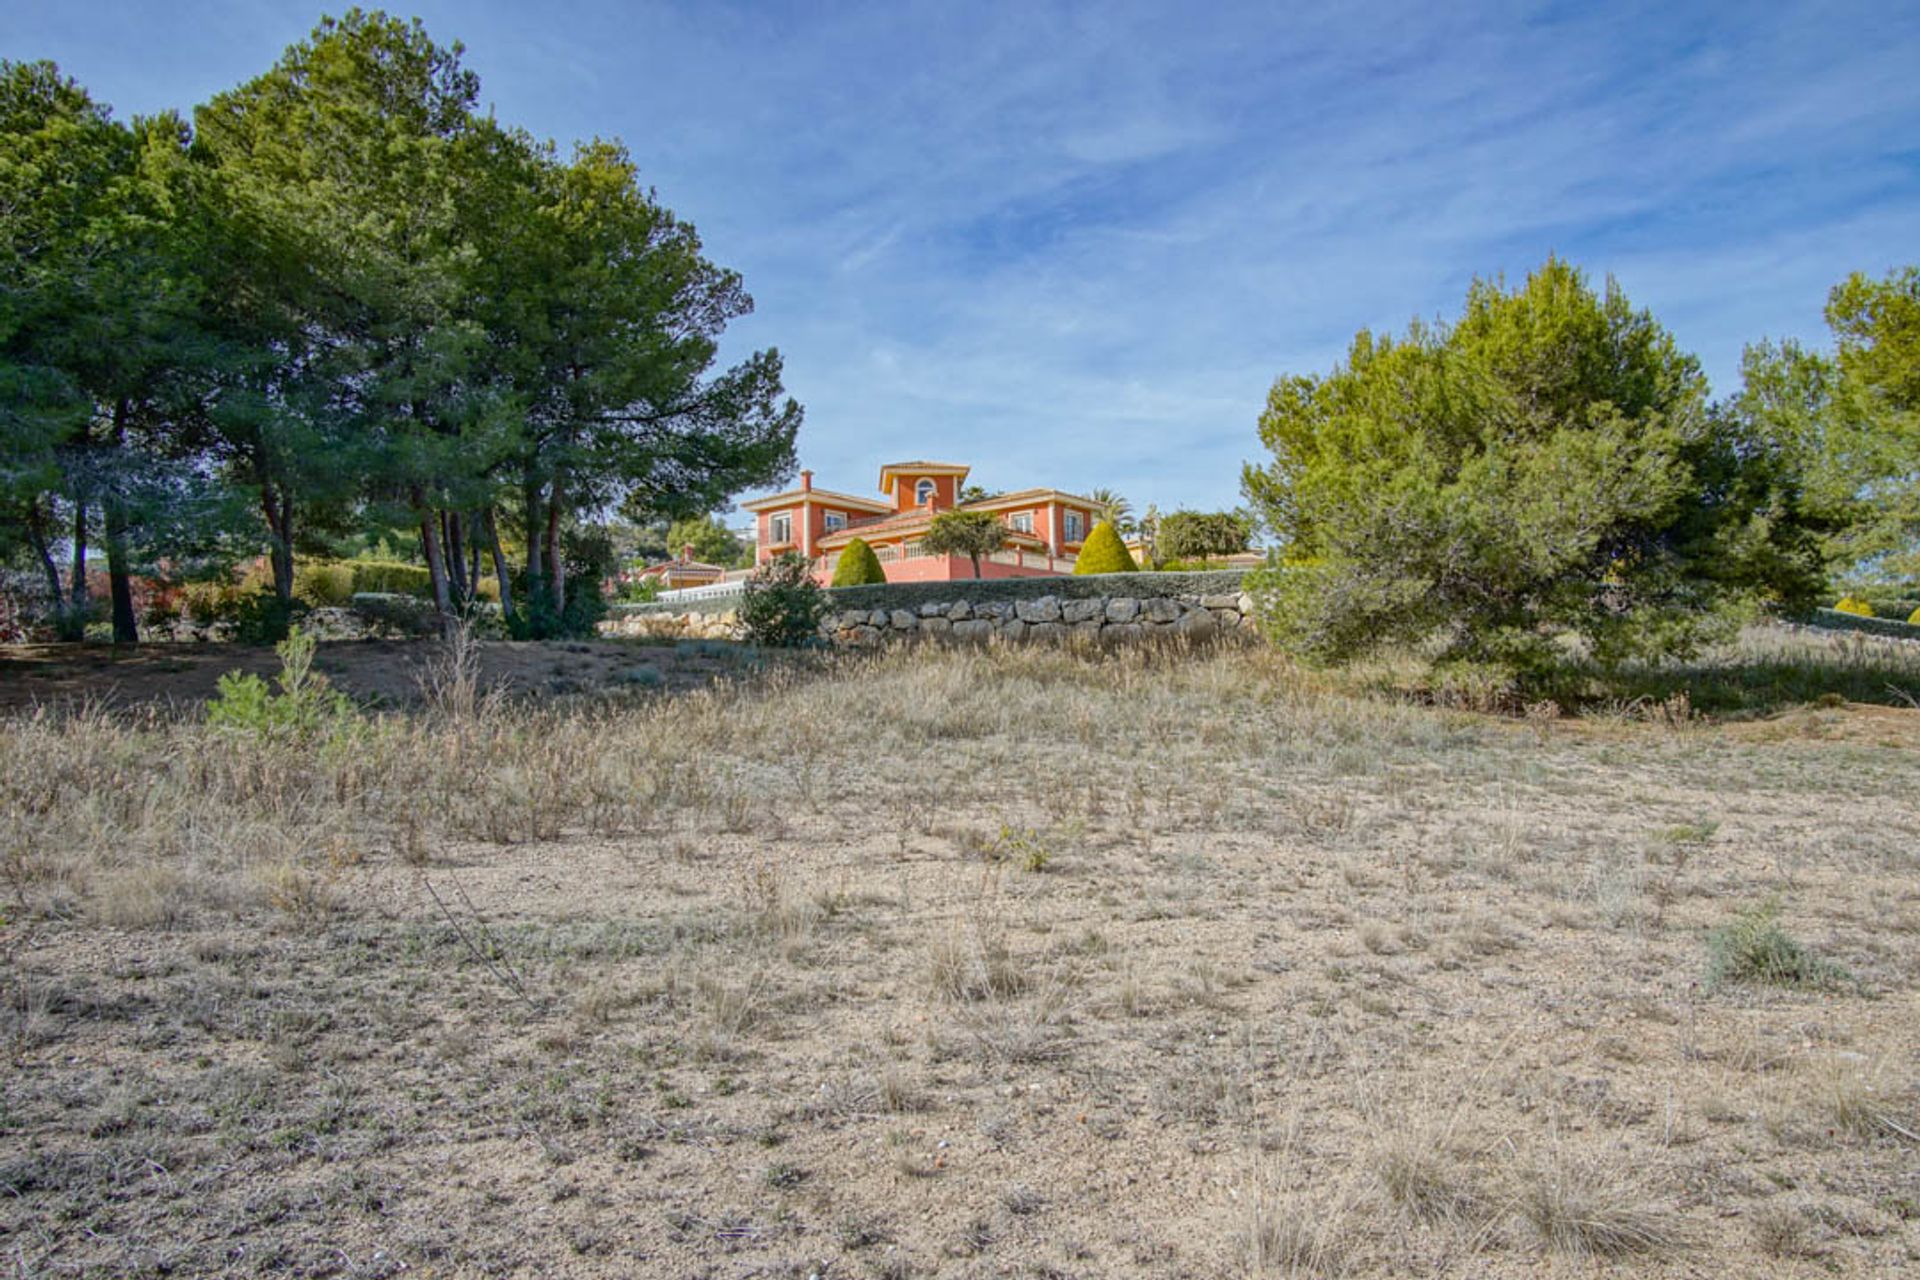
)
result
[(1104, 619)]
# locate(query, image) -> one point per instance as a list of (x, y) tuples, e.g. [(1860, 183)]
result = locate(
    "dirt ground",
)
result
[(373, 672), (960, 963)]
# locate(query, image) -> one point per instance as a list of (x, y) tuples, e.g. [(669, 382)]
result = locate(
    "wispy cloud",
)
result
[(1074, 243)]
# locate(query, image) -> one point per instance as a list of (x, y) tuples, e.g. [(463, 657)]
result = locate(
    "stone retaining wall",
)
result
[(1103, 619)]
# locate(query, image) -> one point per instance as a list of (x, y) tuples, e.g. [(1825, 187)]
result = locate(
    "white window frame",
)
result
[(774, 526), (923, 492), (1075, 529), (1021, 522), (835, 521)]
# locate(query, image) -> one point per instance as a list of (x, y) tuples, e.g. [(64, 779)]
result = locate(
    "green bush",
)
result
[(858, 566), (323, 583), (206, 603), (782, 605), (406, 615), (306, 707), (1852, 604), (1103, 552), (390, 577), (1754, 948), (260, 616)]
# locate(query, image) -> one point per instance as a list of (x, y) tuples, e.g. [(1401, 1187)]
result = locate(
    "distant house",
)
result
[(683, 571), (1045, 527)]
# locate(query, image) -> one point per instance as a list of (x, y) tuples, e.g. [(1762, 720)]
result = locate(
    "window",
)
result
[(780, 529), (923, 493), (835, 520), (1022, 523), (1074, 530)]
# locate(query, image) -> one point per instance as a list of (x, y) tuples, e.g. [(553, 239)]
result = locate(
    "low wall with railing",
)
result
[(1114, 607)]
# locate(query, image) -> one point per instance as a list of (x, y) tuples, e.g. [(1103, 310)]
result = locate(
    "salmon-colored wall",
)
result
[(945, 491), (806, 533)]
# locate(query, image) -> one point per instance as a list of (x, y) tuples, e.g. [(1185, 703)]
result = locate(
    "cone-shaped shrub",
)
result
[(1103, 552), (1914, 618), (1859, 608), (858, 566)]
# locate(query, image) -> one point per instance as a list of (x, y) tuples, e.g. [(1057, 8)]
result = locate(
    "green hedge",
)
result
[(911, 595), (1834, 620)]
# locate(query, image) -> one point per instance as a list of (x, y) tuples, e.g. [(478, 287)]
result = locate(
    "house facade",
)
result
[(1045, 527)]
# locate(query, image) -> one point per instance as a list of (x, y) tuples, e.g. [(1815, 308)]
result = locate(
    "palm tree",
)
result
[(1114, 509)]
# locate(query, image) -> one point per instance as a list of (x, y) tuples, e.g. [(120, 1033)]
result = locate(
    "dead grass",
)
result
[(957, 963)]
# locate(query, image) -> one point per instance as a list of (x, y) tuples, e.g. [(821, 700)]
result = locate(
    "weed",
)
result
[(1754, 948)]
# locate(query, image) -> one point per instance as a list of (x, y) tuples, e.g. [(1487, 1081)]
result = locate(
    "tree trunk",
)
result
[(126, 629), (976, 564), (492, 526), (74, 623), (43, 550), (472, 526), (557, 563), (436, 567), (457, 581), (279, 514), (536, 561)]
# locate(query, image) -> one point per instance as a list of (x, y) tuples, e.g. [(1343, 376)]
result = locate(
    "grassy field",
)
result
[(972, 963)]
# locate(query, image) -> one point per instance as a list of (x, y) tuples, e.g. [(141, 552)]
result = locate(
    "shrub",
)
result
[(858, 566), (323, 583), (1854, 605), (305, 708), (206, 603), (781, 604), (407, 615), (260, 616), (1103, 552), (1545, 468), (1913, 619), (1754, 948), (390, 577), (1202, 535)]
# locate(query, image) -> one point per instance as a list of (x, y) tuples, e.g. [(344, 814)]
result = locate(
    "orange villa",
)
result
[(1045, 527)]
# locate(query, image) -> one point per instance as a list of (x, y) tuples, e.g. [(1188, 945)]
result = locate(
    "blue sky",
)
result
[(1073, 245)]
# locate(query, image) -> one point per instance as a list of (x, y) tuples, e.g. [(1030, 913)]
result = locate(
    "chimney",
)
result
[(806, 482)]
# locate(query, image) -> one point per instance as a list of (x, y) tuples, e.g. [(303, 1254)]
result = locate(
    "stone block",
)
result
[(1122, 632), (933, 609), (935, 626), (1122, 609), (1012, 629), (1198, 625), (1046, 631), (1091, 609), (1160, 610), (1044, 609), (905, 620), (972, 629), (959, 611), (1229, 600)]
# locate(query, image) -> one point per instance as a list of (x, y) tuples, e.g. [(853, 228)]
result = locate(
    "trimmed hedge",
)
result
[(1103, 552), (911, 595), (1835, 620), (858, 566)]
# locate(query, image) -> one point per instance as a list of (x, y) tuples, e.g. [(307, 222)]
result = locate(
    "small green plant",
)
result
[(1103, 552), (782, 605), (306, 707), (858, 566), (1026, 847), (1754, 948)]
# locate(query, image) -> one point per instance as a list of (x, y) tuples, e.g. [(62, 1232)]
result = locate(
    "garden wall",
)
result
[(1109, 608)]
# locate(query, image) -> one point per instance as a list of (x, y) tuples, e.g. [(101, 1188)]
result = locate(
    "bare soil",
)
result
[(956, 963)]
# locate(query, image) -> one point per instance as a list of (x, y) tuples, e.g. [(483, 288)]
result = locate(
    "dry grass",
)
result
[(968, 962)]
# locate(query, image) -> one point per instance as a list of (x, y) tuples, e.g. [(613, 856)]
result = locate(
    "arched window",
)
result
[(923, 493)]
